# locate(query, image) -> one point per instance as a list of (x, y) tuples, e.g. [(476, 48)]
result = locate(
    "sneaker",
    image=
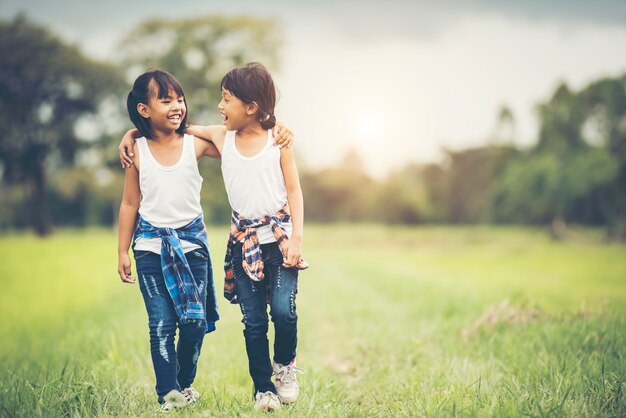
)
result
[(166, 407), (191, 395), (173, 400), (266, 401), (286, 382)]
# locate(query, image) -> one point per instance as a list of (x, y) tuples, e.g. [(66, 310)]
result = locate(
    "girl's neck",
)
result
[(164, 136), (250, 131)]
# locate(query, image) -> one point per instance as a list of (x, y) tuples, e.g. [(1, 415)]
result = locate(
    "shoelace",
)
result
[(191, 394), (267, 394), (287, 373)]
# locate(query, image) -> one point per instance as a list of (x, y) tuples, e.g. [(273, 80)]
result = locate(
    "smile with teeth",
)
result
[(175, 118)]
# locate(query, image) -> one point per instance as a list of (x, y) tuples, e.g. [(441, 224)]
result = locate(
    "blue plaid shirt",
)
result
[(180, 283)]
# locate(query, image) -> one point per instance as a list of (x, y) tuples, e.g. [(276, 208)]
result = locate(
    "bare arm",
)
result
[(283, 137), (213, 134), (205, 148), (127, 217), (296, 207)]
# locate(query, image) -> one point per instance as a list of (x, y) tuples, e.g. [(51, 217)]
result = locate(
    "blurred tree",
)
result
[(505, 129), (435, 178), (46, 86), (469, 176), (578, 167), (344, 193), (604, 128), (469, 180), (542, 188), (199, 52), (561, 119), (403, 197)]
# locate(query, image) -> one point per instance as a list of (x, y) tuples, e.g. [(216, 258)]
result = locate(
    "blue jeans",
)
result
[(174, 368), (279, 287)]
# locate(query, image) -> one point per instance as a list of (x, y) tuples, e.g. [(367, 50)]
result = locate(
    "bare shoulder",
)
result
[(286, 153), (287, 160)]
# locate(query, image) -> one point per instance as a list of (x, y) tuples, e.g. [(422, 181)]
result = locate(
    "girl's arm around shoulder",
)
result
[(205, 148), (126, 147), (127, 217), (283, 136), (212, 137), (296, 207)]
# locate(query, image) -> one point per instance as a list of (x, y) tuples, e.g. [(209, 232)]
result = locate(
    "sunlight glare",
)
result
[(368, 125)]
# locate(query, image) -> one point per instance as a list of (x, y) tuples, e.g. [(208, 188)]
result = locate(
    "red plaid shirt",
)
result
[(244, 230)]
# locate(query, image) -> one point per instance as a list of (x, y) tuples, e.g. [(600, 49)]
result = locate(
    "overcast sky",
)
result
[(396, 80)]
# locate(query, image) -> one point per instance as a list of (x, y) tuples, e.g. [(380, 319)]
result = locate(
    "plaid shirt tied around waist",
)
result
[(179, 281), (244, 230)]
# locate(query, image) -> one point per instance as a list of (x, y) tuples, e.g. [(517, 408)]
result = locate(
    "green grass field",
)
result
[(434, 321)]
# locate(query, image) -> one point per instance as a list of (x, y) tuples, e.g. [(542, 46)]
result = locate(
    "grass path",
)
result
[(434, 321)]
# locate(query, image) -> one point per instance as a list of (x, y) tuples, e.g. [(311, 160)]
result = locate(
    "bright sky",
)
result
[(399, 80)]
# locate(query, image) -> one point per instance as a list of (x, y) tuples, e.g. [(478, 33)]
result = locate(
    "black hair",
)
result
[(253, 83), (140, 93)]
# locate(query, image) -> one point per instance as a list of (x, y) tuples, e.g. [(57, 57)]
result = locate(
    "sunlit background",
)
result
[(430, 107), (397, 81)]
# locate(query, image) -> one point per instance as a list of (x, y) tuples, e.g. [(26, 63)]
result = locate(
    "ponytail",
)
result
[(268, 121)]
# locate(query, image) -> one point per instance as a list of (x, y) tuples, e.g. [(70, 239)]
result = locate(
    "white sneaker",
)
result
[(191, 395), (286, 382), (166, 407), (266, 401), (173, 400)]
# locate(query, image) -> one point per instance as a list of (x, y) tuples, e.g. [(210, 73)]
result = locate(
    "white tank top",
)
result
[(255, 185), (170, 195)]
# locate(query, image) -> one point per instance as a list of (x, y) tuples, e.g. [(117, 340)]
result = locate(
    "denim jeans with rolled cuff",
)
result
[(282, 285), (174, 367)]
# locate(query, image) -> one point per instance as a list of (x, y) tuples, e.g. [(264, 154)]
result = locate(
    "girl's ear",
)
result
[(252, 108), (142, 109)]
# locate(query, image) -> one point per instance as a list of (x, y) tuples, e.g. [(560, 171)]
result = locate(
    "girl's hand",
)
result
[(293, 253), (126, 148), (283, 137), (123, 269)]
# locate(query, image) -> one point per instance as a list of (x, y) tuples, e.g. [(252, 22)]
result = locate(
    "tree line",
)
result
[(62, 114)]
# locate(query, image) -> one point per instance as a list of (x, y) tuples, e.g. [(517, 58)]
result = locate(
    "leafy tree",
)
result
[(470, 175), (604, 128), (561, 119), (542, 188), (578, 165), (403, 197), (46, 86), (505, 129), (344, 193)]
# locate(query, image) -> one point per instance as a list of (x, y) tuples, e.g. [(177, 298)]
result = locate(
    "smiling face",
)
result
[(165, 112), (235, 112), (251, 88)]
